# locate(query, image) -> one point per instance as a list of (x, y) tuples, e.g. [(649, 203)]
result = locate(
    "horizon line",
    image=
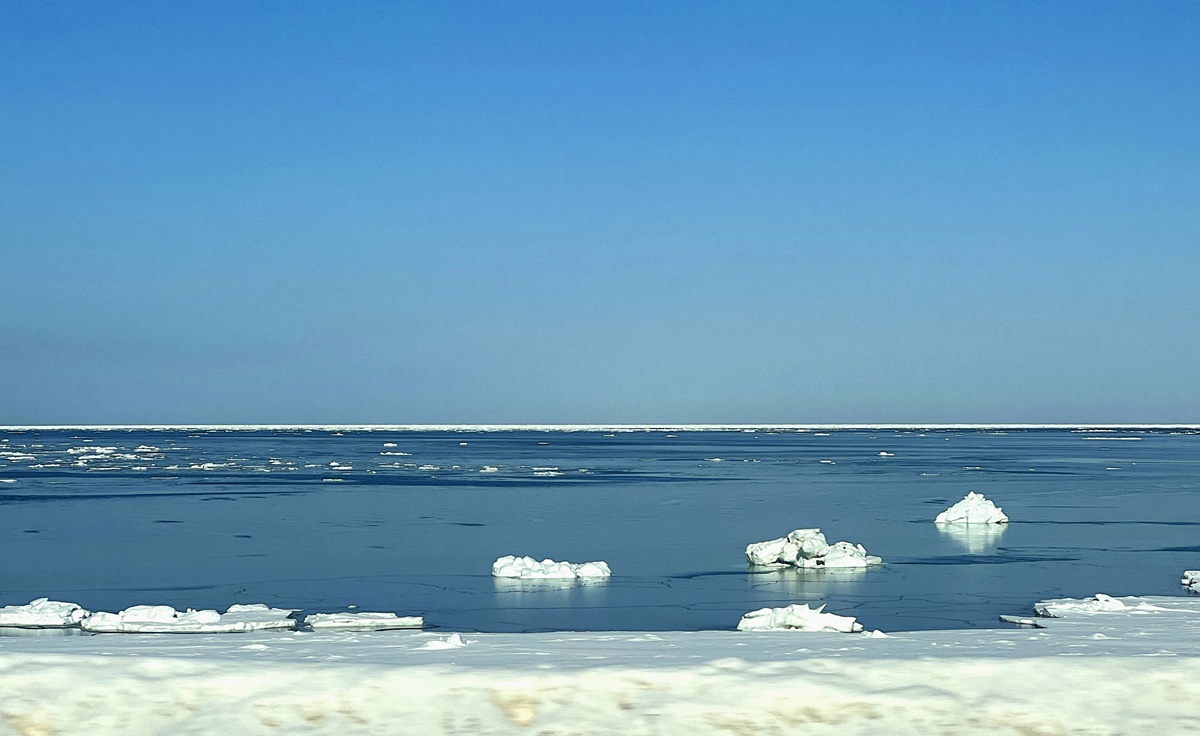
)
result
[(649, 427)]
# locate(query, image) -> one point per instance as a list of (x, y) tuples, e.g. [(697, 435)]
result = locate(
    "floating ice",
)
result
[(362, 621), (165, 619), (1191, 580), (973, 509), (798, 618), (1099, 603), (42, 613), (808, 548), (527, 568)]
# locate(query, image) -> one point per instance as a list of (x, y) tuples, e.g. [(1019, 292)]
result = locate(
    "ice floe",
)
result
[(1099, 603), (798, 618), (1126, 618), (808, 548), (527, 568), (973, 509), (43, 613), (362, 621), (1191, 580), (165, 619)]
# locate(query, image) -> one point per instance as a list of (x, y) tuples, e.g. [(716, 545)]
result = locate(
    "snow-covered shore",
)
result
[(1111, 672)]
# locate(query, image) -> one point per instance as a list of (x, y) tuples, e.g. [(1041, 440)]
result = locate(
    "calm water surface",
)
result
[(411, 521)]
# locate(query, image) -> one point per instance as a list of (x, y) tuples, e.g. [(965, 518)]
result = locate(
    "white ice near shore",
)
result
[(807, 548), (973, 509), (1099, 603), (1191, 580), (798, 618), (165, 619), (362, 621), (42, 613), (527, 568), (454, 641)]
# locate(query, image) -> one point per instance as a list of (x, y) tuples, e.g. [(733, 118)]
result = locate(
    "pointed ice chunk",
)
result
[(973, 509), (798, 618)]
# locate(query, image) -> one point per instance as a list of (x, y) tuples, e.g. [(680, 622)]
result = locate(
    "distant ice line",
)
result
[(576, 427)]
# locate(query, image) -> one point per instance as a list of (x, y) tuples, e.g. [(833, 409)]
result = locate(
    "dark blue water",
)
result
[(110, 519)]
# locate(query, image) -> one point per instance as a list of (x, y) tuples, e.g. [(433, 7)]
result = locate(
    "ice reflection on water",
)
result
[(976, 539)]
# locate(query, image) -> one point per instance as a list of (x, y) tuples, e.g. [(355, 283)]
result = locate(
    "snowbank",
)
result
[(973, 509), (808, 548), (1191, 580), (42, 613), (1097, 675), (166, 620), (527, 568), (362, 621), (798, 618)]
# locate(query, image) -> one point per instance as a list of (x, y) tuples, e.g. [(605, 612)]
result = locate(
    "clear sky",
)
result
[(257, 212)]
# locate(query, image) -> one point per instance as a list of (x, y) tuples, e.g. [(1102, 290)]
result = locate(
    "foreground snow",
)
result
[(1098, 673), (527, 568), (808, 548), (973, 509)]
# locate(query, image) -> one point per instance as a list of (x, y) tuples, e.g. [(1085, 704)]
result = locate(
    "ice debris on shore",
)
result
[(973, 509), (1099, 603), (454, 641), (527, 568), (807, 548), (1191, 580), (166, 620), (361, 621), (43, 613), (798, 618)]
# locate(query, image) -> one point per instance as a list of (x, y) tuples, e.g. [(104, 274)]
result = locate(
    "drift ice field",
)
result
[(412, 521)]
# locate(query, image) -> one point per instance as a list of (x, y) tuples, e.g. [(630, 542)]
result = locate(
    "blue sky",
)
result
[(235, 212)]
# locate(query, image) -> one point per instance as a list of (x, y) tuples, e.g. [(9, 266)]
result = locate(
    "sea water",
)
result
[(328, 520)]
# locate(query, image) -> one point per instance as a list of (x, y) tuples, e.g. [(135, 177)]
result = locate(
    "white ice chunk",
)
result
[(42, 613), (165, 619), (454, 641), (808, 548), (1191, 579), (362, 621), (527, 568), (798, 618), (1100, 603), (973, 509), (841, 554)]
